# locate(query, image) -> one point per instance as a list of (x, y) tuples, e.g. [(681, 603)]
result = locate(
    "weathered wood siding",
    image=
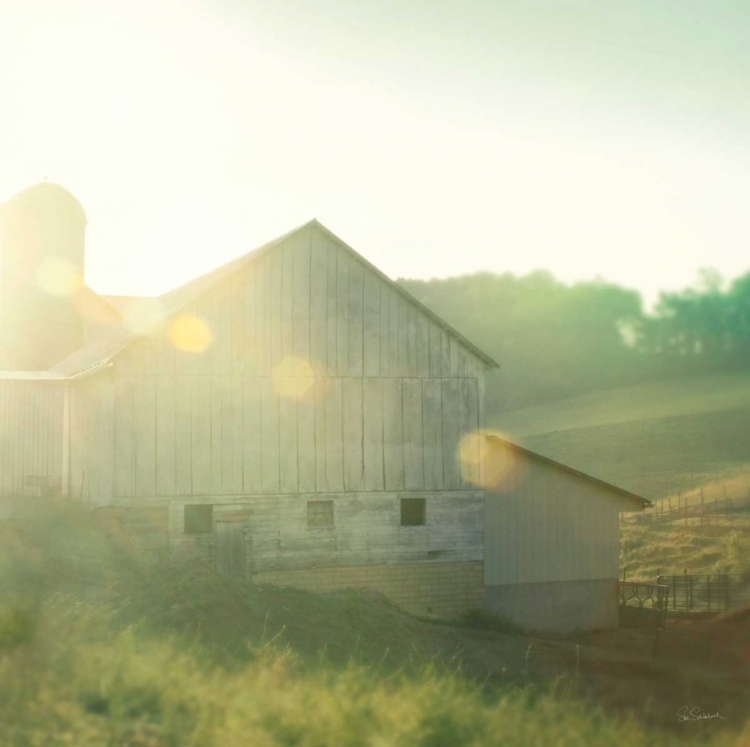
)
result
[(366, 530), (92, 439), (31, 425), (378, 399), (552, 526)]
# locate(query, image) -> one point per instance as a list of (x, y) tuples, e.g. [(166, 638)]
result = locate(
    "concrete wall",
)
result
[(558, 606)]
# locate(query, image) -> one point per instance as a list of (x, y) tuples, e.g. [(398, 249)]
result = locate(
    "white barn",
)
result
[(296, 417)]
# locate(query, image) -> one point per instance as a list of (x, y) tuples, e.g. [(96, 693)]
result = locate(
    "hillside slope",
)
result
[(656, 439)]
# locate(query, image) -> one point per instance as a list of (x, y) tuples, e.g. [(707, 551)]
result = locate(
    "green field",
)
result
[(656, 439), (99, 648)]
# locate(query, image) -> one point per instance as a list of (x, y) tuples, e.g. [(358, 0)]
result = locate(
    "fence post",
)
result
[(726, 591), (708, 591), (687, 597)]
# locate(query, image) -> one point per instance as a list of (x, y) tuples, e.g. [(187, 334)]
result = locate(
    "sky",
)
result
[(594, 139)]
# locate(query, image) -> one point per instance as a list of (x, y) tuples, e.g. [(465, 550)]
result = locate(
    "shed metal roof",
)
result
[(148, 316)]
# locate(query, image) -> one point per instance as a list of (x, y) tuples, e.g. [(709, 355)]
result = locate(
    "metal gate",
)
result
[(230, 553)]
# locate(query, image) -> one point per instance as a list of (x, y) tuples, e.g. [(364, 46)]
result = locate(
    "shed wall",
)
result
[(552, 526)]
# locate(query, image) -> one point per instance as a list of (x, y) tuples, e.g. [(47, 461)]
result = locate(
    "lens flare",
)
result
[(190, 333), (490, 463), (58, 277), (294, 378)]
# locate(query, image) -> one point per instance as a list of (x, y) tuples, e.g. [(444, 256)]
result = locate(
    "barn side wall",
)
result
[(319, 377), (31, 441), (434, 570), (92, 439), (551, 541)]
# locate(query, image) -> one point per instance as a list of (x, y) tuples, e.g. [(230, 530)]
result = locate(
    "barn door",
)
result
[(230, 547)]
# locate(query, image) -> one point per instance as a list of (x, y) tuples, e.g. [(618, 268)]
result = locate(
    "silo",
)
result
[(42, 245)]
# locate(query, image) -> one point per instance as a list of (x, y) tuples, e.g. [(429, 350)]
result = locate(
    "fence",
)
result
[(643, 605), (712, 592), (734, 510)]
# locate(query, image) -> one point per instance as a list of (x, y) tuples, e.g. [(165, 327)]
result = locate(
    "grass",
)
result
[(100, 648), (690, 395), (671, 547)]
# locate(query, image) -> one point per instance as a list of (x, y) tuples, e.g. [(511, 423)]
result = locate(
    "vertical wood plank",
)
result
[(239, 343), (436, 350), (318, 301), (353, 434), (231, 436), (385, 330), (183, 436), (124, 438), (288, 290), (251, 436), (275, 299), (251, 351), (288, 435), (269, 437), (264, 285), (319, 398), (371, 324), (393, 434), (451, 472), (413, 447), (332, 315), (306, 434), (355, 313), (445, 341), (411, 348), (221, 297), (468, 434), (201, 436), (334, 436), (423, 345), (432, 431), (218, 386), (403, 335), (394, 322), (301, 308), (145, 436), (165, 436), (342, 313), (374, 478)]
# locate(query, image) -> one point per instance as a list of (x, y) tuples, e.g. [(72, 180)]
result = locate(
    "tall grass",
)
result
[(98, 648)]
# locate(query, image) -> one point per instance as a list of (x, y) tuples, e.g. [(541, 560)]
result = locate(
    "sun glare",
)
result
[(58, 277), (294, 378), (190, 333)]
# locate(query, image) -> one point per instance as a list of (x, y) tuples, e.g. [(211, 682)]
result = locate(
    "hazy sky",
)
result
[(602, 137)]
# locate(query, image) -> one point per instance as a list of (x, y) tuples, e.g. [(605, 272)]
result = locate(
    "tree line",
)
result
[(556, 340)]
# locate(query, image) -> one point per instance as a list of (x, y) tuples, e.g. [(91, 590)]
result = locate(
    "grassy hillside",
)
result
[(656, 439), (97, 648)]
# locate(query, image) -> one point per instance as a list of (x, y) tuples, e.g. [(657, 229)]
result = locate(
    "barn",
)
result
[(293, 417)]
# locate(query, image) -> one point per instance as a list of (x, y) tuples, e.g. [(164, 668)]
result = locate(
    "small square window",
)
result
[(199, 518), (413, 512), (319, 514)]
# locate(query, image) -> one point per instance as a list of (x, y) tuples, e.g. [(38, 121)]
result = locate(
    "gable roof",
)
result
[(146, 317), (643, 502), (125, 305)]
